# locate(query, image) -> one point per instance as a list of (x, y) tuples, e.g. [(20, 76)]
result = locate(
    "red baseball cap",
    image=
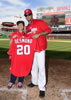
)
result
[(28, 11)]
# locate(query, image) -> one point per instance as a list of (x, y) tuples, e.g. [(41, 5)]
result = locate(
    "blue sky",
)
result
[(17, 7)]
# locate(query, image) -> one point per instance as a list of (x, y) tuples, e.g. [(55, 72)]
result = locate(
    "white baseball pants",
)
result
[(38, 70)]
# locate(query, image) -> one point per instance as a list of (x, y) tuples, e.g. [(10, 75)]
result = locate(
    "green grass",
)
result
[(58, 50), (62, 39), (4, 43), (59, 46), (4, 46)]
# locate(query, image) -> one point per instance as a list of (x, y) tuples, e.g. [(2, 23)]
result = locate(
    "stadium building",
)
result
[(58, 18), (8, 25)]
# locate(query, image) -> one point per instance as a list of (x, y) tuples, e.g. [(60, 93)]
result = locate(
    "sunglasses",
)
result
[(29, 14)]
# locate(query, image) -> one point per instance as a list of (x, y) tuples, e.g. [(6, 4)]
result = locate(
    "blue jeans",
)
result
[(13, 79)]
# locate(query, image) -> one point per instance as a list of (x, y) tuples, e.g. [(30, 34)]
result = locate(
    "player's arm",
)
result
[(45, 30), (39, 34)]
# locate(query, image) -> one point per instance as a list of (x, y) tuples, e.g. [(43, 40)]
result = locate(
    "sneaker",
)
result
[(31, 85), (42, 94), (19, 84), (10, 85)]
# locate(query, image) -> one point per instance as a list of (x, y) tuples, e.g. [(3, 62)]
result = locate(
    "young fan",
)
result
[(19, 33)]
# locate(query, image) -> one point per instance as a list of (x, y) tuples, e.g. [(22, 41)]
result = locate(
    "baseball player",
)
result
[(40, 30)]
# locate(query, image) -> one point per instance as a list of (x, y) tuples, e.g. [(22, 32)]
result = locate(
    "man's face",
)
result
[(29, 17), (20, 26)]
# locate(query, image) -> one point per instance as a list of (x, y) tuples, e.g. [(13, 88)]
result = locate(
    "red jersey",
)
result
[(22, 51), (17, 33), (36, 27)]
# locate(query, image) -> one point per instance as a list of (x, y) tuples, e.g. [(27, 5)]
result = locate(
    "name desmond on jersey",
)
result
[(23, 41)]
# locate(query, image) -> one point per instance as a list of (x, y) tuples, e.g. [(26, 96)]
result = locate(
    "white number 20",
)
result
[(23, 49)]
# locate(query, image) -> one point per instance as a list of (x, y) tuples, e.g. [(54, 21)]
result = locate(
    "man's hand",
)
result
[(9, 57), (35, 36)]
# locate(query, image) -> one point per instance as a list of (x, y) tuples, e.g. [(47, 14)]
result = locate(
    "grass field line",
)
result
[(48, 40), (24, 91), (63, 93), (58, 41)]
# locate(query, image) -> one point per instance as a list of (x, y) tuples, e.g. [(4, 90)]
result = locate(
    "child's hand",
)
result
[(9, 57), (14, 36)]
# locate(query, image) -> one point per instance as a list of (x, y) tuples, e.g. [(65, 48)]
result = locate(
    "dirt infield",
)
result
[(59, 78), (4, 39)]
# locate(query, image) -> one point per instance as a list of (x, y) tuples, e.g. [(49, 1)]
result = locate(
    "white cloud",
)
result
[(17, 8), (0, 4), (18, 2), (7, 12), (12, 19), (56, 2)]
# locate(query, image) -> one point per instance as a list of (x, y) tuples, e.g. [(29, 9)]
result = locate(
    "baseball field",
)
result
[(58, 72)]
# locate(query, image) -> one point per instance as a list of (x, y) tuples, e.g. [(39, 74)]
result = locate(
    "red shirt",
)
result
[(36, 27), (17, 33), (22, 51)]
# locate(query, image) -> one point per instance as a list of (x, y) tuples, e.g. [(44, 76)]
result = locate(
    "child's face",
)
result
[(20, 26)]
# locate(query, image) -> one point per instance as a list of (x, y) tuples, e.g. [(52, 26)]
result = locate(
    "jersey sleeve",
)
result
[(10, 51), (12, 35), (44, 26)]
